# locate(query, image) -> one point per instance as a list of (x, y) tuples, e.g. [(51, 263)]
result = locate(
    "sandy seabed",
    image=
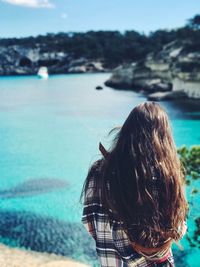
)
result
[(13, 257)]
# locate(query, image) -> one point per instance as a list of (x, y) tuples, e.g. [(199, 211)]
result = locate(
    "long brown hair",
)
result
[(145, 178)]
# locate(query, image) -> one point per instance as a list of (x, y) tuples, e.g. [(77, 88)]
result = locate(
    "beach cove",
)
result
[(49, 136)]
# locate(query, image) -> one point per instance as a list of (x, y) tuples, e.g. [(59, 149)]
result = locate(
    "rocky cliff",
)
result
[(20, 60), (173, 72)]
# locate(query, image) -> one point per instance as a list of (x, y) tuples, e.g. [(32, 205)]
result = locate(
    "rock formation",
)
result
[(173, 72), (20, 60)]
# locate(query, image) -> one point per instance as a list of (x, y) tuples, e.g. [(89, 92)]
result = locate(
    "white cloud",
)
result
[(30, 3)]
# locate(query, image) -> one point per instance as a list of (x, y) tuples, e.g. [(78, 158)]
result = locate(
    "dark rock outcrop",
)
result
[(99, 87)]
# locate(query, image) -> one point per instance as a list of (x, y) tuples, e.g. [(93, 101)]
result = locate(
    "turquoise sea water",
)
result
[(49, 135)]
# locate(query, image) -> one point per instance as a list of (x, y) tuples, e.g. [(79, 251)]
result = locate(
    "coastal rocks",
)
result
[(161, 86), (170, 73), (20, 60), (121, 77), (190, 87), (155, 85), (83, 65), (77, 69), (159, 96), (138, 77)]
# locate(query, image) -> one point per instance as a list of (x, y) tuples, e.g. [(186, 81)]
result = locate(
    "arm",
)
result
[(89, 221), (91, 203)]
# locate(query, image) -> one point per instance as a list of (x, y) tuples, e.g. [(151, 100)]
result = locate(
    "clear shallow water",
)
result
[(49, 135)]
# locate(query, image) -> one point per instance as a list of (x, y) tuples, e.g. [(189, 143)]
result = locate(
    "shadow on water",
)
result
[(33, 187), (46, 234), (183, 108)]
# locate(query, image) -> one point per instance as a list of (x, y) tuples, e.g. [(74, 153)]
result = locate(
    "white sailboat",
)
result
[(43, 73)]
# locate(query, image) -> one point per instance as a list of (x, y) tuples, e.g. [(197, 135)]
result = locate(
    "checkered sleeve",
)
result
[(89, 221), (97, 223), (91, 205)]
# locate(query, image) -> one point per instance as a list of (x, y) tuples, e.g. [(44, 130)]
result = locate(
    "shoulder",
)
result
[(95, 168), (94, 173), (92, 187)]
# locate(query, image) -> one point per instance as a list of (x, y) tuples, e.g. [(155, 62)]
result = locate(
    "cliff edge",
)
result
[(172, 72)]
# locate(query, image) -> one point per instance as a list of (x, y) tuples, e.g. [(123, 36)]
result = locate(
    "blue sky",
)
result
[(32, 17)]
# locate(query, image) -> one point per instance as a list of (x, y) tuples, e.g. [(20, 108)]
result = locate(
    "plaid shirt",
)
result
[(113, 246)]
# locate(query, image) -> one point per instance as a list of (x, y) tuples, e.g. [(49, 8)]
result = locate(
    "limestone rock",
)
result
[(191, 88), (121, 77), (21, 60), (77, 69), (171, 69), (159, 96)]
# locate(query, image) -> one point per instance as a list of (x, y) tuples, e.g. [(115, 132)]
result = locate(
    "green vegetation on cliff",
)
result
[(190, 158), (110, 47)]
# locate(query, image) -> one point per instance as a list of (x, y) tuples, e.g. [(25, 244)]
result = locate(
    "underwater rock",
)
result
[(46, 234), (34, 187)]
